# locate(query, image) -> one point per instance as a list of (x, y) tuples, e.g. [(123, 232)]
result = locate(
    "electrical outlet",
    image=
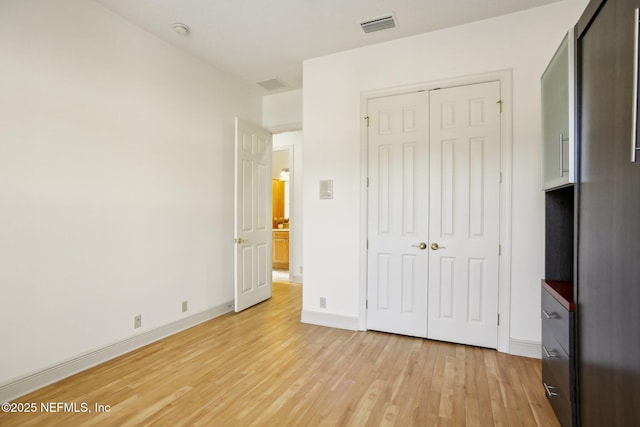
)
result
[(137, 321), (323, 302), (185, 306)]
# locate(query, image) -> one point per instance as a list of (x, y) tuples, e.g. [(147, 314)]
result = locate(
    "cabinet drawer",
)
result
[(555, 321), (562, 408), (556, 367), (557, 387), (558, 357), (556, 382)]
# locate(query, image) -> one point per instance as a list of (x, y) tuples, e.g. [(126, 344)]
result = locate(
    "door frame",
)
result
[(506, 160)]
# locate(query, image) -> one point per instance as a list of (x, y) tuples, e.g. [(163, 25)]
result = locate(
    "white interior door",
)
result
[(465, 214), (252, 215), (398, 214)]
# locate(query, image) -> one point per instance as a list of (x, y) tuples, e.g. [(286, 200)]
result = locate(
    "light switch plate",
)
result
[(326, 189)]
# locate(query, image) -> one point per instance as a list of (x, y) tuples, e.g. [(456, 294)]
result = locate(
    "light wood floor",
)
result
[(263, 367)]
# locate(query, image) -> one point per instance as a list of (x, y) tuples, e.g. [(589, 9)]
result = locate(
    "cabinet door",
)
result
[(609, 224), (281, 249), (557, 85), (277, 200)]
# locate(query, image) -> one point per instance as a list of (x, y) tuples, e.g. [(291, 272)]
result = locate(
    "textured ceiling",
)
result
[(258, 40)]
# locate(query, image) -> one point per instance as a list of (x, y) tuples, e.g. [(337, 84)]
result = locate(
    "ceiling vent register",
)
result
[(378, 24), (272, 84)]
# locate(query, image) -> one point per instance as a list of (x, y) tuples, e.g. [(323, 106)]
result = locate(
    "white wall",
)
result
[(115, 199), (293, 140), (279, 160), (523, 42), (282, 112)]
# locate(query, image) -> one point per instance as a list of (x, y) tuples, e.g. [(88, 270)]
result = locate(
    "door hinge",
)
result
[(367, 119), (500, 102), (367, 182), (498, 319), (500, 177), (499, 249), (367, 243), (366, 304)]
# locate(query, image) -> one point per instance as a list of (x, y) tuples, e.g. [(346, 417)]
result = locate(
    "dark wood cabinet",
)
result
[(592, 237), (608, 249), (557, 303), (558, 349), (559, 239)]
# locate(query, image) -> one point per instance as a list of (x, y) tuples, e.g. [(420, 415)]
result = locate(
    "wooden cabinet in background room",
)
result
[(277, 200), (281, 249)]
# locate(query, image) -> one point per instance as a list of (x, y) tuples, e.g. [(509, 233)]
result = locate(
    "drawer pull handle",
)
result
[(548, 315), (548, 389), (562, 141), (551, 354), (634, 106)]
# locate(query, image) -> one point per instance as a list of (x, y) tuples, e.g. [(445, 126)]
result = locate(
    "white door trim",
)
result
[(505, 79)]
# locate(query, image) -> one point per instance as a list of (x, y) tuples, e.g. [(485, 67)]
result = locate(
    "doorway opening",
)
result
[(287, 207)]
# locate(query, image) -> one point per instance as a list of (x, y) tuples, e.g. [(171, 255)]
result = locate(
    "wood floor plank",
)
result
[(263, 367)]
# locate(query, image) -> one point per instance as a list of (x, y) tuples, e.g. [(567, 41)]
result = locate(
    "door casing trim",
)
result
[(506, 164)]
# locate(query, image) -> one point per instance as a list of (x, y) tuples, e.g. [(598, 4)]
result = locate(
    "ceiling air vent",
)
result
[(272, 84), (378, 24)]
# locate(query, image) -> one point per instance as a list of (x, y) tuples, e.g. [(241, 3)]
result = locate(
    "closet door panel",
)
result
[(609, 221)]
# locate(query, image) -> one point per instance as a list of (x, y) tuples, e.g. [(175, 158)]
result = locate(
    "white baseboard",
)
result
[(516, 347), (36, 380), (296, 279), (331, 320), (525, 348)]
